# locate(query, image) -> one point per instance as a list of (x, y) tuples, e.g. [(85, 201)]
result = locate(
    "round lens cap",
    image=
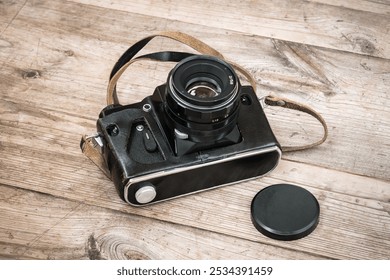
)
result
[(285, 212)]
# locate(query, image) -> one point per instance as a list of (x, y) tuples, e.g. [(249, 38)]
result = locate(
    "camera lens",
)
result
[(203, 89), (202, 98)]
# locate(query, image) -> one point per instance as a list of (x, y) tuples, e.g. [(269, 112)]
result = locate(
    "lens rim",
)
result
[(211, 110), (209, 68)]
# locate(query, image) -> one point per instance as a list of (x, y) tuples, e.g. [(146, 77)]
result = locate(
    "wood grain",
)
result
[(55, 58), (9, 9), (297, 21), (53, 228), (339, 85), (350, 213), (374, 6)]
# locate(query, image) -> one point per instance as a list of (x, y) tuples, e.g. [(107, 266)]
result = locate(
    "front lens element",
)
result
[(203, 88)]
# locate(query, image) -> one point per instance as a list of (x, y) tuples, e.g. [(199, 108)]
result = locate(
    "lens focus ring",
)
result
[(203, 90)]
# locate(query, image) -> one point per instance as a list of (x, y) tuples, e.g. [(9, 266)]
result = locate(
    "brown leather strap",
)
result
[(87, 144), (205, 49), (289, 104), (177, 36)]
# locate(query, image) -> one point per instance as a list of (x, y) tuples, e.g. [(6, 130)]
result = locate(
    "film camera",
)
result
[(199, 130)]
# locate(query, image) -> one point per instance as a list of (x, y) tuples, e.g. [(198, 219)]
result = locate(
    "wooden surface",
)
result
[(55, 58)]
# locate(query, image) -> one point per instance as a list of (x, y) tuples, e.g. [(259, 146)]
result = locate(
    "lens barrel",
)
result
[(202, 98)]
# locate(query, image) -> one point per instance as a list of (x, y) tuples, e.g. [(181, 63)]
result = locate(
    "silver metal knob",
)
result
[(145, 194)]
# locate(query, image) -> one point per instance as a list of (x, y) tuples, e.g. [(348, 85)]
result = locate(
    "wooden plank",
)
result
[(348, 89), (53, 228), (311, 23), (373, 6), (52, 90), (354, 106), (354, 222)]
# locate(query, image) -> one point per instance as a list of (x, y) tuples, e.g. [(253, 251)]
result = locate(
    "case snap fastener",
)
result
[(145, 194)]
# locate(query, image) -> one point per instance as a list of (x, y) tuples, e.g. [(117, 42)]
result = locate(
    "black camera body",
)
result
[(200, 130)]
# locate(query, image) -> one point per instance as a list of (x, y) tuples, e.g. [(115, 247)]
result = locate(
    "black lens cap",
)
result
[(285, 212)]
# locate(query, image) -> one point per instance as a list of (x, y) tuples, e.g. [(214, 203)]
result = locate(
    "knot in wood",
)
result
[(31, 74)]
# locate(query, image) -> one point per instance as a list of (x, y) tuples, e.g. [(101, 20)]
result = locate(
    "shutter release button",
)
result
[(145, 194)]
